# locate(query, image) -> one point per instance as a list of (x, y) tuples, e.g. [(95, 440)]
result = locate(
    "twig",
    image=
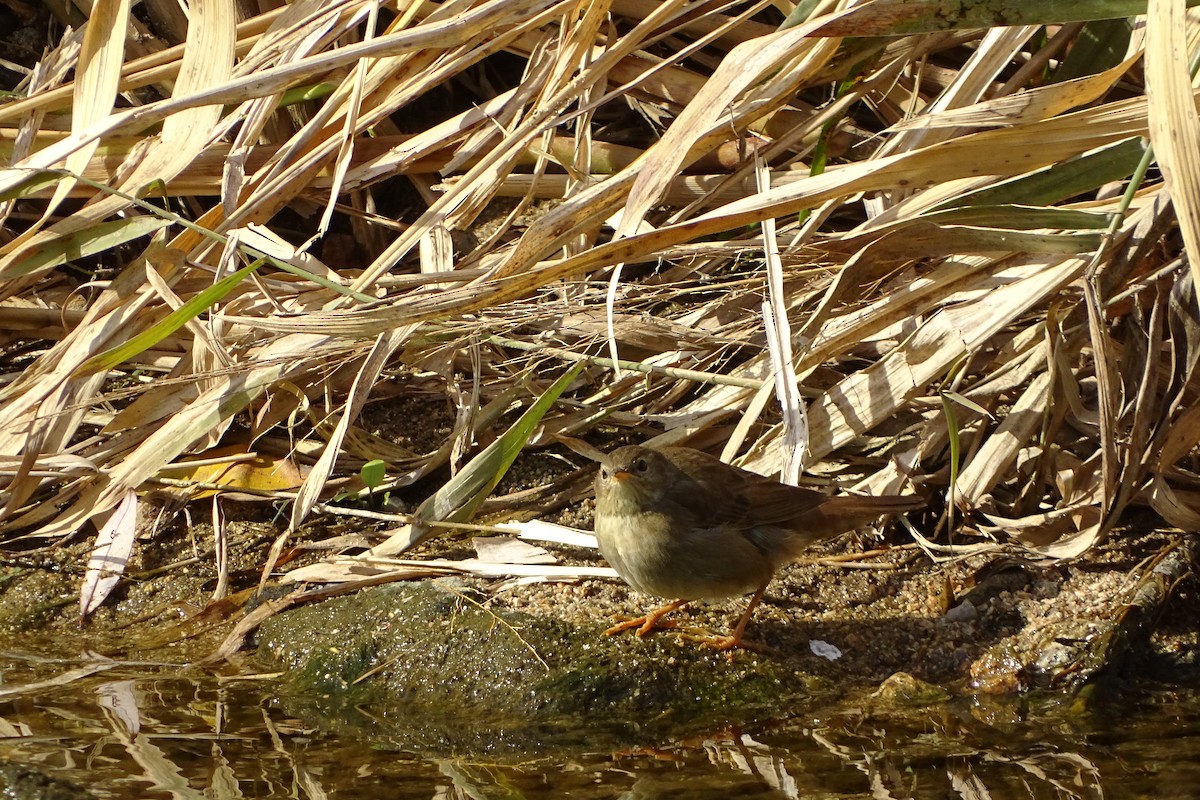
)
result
[(633, 366)]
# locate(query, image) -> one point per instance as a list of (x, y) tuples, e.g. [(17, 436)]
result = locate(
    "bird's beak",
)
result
[(621, 475)]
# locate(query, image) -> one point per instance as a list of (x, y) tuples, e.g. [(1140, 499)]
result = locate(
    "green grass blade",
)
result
[(168, 325), (95, 239), (462, 494)]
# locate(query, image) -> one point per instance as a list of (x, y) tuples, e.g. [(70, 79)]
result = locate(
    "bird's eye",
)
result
[(604, 473), (640, 465)]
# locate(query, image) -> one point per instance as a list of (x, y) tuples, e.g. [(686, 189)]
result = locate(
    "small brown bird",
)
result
[(683, 525)]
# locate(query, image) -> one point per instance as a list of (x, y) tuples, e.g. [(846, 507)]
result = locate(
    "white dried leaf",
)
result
[(824, 650), (114, 543), (507, 550)]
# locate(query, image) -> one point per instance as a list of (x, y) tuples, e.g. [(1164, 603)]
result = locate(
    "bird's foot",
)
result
[(726, 644), (650, 621), (644, 624)]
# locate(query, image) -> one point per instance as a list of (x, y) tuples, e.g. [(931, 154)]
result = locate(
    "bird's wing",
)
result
[(730, 496), (773, 503)]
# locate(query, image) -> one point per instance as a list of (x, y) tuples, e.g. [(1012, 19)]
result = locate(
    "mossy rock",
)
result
[(427, 666)]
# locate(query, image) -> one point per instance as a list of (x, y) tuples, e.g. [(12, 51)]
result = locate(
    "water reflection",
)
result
[(158, 731)]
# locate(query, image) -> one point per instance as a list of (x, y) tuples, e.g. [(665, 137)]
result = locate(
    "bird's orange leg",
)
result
[(648, 622), (734, 639)]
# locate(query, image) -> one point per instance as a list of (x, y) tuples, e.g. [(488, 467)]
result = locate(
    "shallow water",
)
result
[(161, 731)]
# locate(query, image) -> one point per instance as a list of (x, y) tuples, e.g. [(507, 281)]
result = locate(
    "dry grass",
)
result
[(952, 237)]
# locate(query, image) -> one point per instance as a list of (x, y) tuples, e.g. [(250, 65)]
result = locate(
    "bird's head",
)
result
[(632, 478)]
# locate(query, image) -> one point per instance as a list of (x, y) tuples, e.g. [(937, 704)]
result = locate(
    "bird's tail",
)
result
[(845, 512), (870, 507), (831, 516)]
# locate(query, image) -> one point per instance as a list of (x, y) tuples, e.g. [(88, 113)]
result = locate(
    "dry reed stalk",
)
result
[(969, 246)]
